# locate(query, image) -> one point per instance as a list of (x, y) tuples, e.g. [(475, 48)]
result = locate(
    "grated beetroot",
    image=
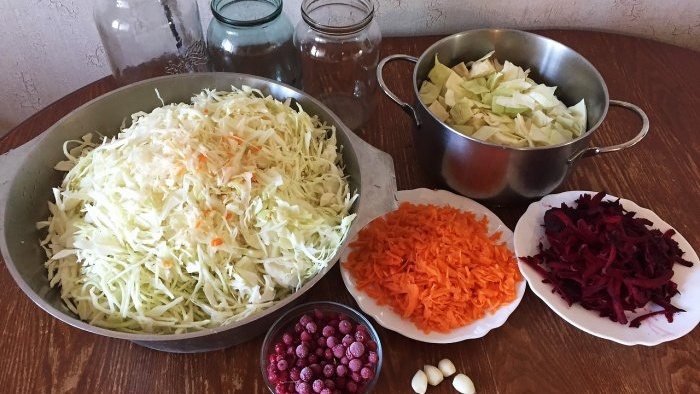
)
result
[(607, 260)]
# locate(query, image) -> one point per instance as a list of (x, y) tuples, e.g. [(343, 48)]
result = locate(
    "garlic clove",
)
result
[(463, 384), (446, 367), (434, 375), (419, 383)]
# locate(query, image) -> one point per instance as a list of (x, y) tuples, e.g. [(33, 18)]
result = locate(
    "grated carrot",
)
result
[(434, 265)]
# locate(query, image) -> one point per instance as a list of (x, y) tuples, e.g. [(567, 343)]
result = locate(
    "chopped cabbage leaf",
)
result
[(197, 214), (500, 104)]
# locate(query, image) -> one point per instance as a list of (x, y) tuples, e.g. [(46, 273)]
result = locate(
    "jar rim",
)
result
[(308, 6), (218, 5)]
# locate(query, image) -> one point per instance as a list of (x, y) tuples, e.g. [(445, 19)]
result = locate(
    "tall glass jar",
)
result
[(147, 38), (339, 46), (253, 37)]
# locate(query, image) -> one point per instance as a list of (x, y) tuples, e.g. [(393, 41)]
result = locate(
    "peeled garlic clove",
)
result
[(419, 383), (463, 384), (446, 367), (434, 375)]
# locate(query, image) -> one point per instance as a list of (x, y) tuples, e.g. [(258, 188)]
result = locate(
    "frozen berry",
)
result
[(302, 351), (328, 331), (351, 387), (280, 388), (305, 319), (339, 350), (294, 373), (318, 385), (373, 357), (305, 336), (355, 376), (311, 327), (355, 364), (348, 340), (301, 362), (371, 345), (282, 365), (328, 370), (331, 342), (344, 326), (341, 370), (366, 373), (287, 338), (306, 374), (303, 388), (357, 349)]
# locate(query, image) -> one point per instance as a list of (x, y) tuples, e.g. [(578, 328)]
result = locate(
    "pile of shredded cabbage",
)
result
[(197, 215)]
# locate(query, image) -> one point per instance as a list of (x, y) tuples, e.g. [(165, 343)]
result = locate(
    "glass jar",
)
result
[(147, 38), (253, 37), (339, 47)]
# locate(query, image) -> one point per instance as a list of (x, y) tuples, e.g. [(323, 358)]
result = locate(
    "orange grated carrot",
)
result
[(434, 265), (217, 242)]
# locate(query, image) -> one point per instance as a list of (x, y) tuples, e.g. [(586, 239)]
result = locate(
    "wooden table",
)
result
[(534, 352)]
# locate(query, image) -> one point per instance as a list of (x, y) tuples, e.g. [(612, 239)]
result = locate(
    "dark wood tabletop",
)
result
[(535, 351)]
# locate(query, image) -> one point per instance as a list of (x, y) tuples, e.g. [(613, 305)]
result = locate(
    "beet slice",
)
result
[(607, 260)]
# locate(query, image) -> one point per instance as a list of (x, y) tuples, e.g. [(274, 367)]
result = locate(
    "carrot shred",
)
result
[(217, 242), (434, 265)]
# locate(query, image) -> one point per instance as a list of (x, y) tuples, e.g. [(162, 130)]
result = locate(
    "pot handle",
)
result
[(380, 78), (598, 150)]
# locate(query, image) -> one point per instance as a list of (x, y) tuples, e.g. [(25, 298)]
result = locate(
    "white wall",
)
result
[(50, 47)]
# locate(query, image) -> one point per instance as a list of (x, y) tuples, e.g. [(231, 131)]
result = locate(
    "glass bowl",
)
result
[(291, 362)]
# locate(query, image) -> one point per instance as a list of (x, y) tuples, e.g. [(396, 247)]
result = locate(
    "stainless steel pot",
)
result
[(500, 175), (371, 174)]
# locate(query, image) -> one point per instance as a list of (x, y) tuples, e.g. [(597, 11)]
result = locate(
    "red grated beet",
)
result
[(607, 260)]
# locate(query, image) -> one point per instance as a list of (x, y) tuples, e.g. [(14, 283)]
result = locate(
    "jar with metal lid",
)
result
[(253, 37), (147, 38), (339, 47)]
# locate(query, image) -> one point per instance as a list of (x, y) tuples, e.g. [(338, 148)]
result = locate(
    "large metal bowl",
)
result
[(503, 175), (371, 174)]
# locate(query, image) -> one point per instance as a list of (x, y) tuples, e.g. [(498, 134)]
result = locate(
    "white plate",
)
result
[(653, 330), (389, 319)]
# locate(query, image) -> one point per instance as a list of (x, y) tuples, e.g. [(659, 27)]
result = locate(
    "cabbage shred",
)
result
[(197, 214)]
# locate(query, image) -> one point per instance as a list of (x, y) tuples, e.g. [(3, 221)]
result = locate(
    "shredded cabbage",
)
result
[(499, 103), (197, 214)]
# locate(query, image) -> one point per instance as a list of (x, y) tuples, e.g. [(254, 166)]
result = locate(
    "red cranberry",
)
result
[(341, 370), (306, 374), (344, 326), (302, 351), (328, 331), (373, 357), (355, 365), (351, 387)]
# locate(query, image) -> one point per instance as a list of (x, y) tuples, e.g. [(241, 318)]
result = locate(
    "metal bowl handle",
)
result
[(380, 78), (598, 150)]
